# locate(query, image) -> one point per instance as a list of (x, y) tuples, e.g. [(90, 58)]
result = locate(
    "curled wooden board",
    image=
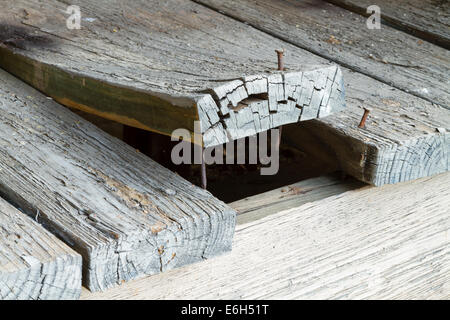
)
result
[(403, 117), (253, 104), (125, 214), (405, 137), (34, 264), (157, 66)]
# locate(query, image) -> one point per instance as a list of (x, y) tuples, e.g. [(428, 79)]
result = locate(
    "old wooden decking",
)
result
[(34, 264), (155, 65), (124, 213), (390, 242), (405, 84), (153, 57)]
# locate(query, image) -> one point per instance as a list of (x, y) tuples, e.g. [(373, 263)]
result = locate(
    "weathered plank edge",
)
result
[(30, 274), (196, 226), (411, 159), (253, 104), (226, 112), (148, 110)]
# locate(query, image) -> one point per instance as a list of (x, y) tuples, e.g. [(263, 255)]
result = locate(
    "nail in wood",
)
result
[(364, 118), (280, 54)]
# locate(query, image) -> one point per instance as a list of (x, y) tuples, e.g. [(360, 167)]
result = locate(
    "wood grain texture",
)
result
[(427, 19), (124, 213), (34, 264), (375, 155), (405, 136), (160, 66), (387, 55), (372, 243)]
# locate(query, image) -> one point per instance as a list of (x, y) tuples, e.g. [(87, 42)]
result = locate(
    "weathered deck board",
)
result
[(405, 126), (124, 213), (291, 196), (34, 265), (427, 19), (160, 65), (372, 243), (388, 55), (405, 137)]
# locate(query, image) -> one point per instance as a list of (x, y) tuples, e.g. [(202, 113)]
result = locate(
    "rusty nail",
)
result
[(280, 53), (364, 118)]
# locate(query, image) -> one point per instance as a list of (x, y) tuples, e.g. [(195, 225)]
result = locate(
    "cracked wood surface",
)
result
[(404, 127), (388, 55), (34, 264), (427, 19), (405, 138), (162, 65), (124, 213), (242, 108), (368, 243)]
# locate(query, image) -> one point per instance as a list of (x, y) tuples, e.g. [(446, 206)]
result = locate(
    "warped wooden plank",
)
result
[(372, 243), (406, 125), (291, 196), (124, 213), (405, 137), (427, 19), (159, 66), (34, 264), (387, 55)]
